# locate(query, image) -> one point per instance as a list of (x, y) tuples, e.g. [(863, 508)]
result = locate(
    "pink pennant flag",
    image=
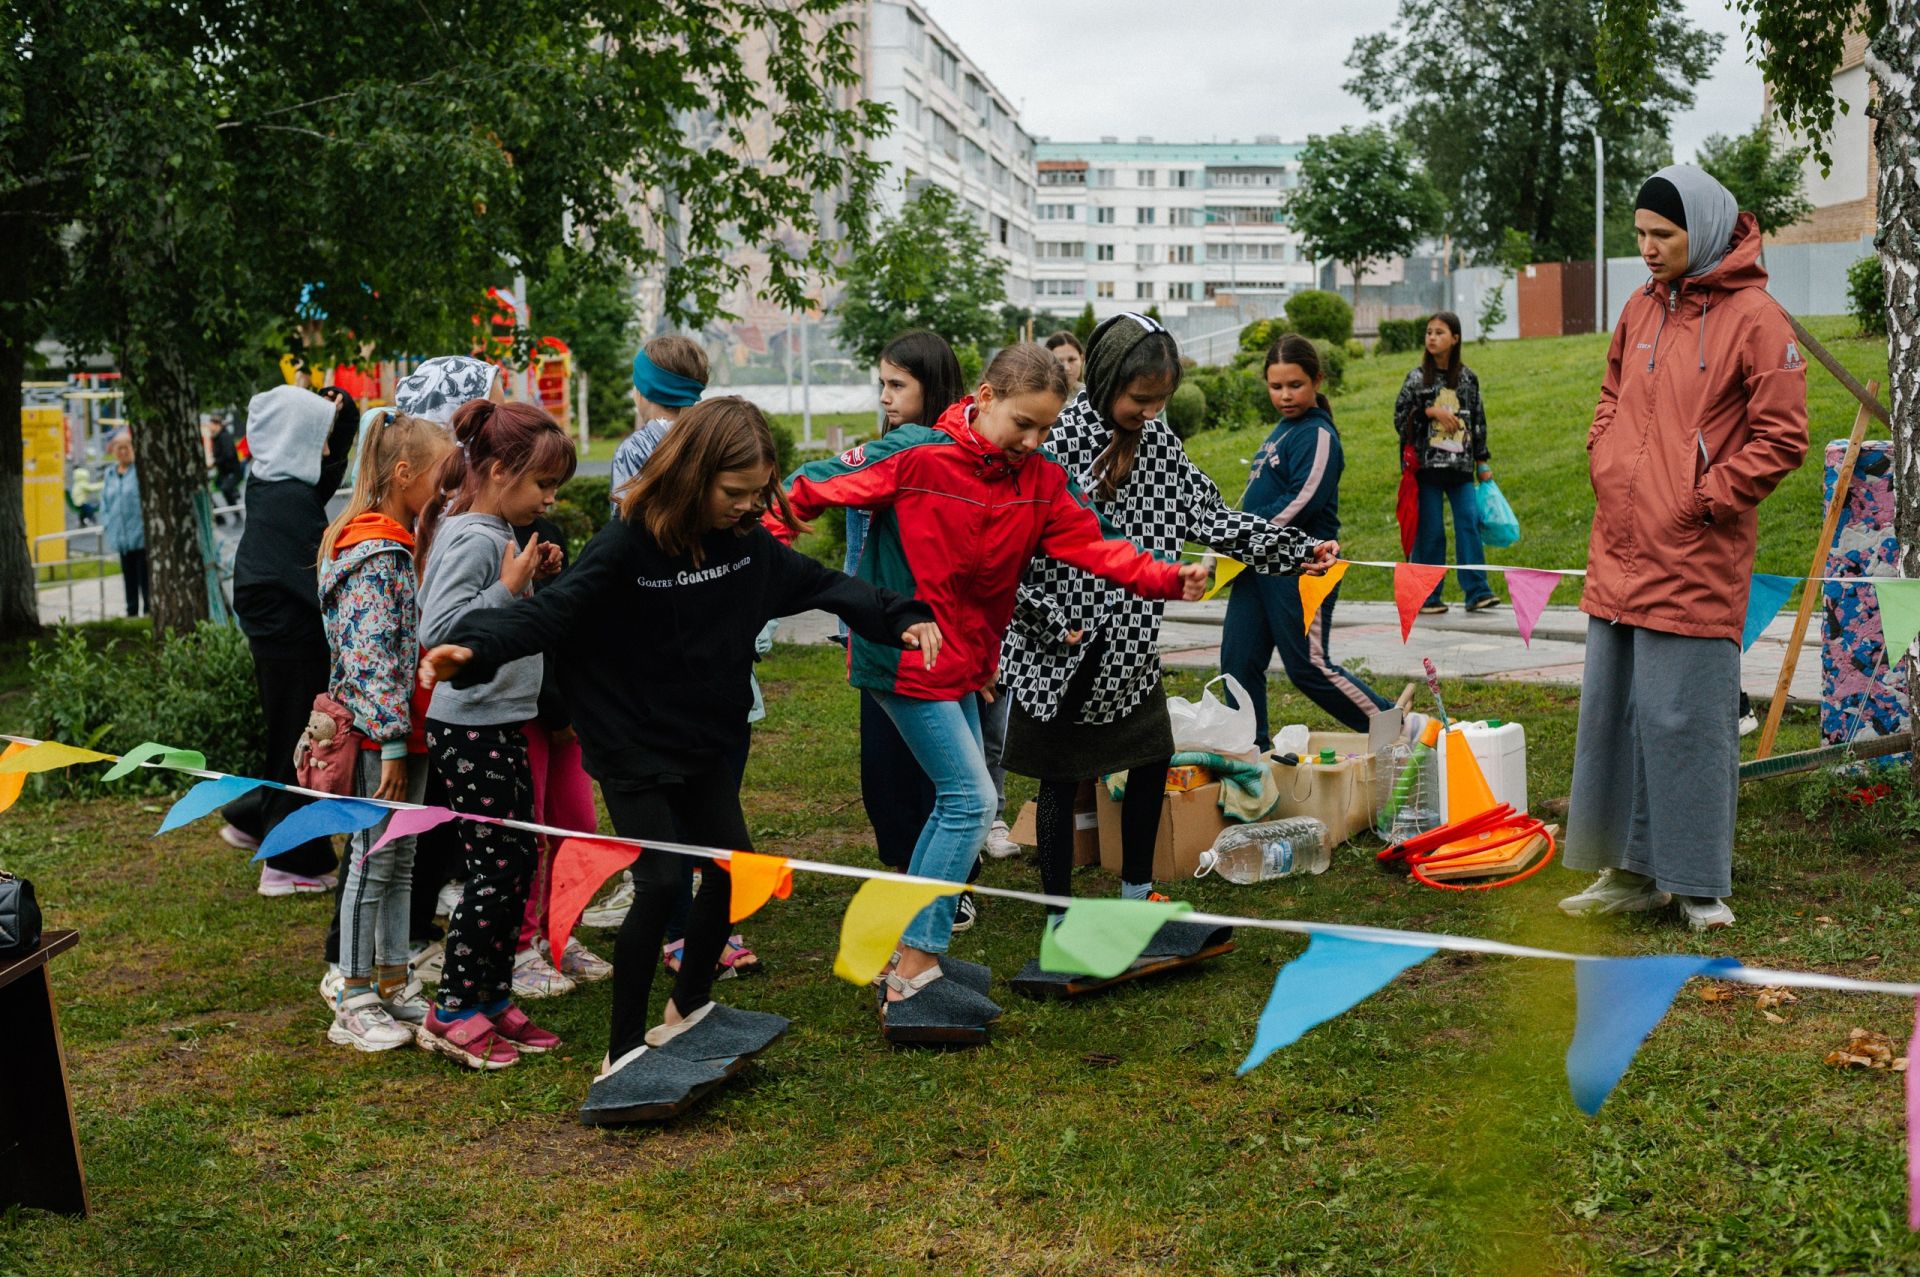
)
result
[(1530, 589), (408, 821)]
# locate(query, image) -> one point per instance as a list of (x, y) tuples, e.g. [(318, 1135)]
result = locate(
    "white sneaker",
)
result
[(410, 1005), (579, 963), (1000, 843), (363, 1023), (1749, 724), (1704, 913), (535, 977), (330, 985), (278, 882), (425, 961), (1616, 891), (612, 911), (449, 899)]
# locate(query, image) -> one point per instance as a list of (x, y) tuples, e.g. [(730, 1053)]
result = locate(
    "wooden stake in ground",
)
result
[(1809, 590)]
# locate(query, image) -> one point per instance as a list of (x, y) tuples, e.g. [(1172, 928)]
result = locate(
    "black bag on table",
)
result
[(19, 916)]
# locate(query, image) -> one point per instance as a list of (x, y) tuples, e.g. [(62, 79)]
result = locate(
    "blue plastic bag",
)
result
[(1499, 525)]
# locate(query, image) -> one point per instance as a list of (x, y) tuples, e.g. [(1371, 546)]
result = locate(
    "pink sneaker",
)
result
[(236, 837), (514, 1025), (277, 882), (474, 1041)]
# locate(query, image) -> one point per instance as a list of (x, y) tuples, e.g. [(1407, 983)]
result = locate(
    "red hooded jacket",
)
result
[(955, 520), (1702, 413)]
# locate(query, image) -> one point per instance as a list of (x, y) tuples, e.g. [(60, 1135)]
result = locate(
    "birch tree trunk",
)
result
[(172, 466)]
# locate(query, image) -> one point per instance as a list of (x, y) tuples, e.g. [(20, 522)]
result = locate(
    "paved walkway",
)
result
[(1482, 645)]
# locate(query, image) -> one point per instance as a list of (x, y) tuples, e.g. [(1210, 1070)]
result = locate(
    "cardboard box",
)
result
[(1189, 823), (1187, 776), (1086, 831)]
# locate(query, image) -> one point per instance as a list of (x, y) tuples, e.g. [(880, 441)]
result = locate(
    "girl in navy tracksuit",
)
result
[(1295, 481)]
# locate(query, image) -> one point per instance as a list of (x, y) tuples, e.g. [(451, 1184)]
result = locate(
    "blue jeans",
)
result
[(944, 737), (376, 896), (1430, 533)]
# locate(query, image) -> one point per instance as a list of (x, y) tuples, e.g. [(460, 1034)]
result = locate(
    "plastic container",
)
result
[(1407, 788), (1294, 738), (1501, 750), (1271, 849)]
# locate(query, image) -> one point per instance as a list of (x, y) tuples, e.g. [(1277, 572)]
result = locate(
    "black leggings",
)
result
[(1139, 828), (703, 809), (894, 788), (287, 686)]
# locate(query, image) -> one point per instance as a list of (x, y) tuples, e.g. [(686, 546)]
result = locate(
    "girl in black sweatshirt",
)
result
[(654, 630)]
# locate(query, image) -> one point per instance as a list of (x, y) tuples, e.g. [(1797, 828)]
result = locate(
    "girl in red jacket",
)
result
[(958, 510)]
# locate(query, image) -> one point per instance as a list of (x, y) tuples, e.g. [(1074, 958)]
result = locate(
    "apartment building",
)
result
[(1180, 226), (1843, 200)]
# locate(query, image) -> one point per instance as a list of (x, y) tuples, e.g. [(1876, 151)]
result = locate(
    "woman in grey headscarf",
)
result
[(1703, 411)]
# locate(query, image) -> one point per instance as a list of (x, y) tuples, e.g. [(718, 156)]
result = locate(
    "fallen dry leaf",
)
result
[(1866, 1049), (1773, 996), (1774, 1019), (1716, 993), (1823, 918)]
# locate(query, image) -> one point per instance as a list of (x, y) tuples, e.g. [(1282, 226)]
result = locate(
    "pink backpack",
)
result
[(328, 749)]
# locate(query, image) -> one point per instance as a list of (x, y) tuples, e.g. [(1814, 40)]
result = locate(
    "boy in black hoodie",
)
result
[(300, 442)]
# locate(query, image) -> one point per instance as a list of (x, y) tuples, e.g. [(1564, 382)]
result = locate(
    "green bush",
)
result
[(1234, 396), (1187, 410), (1257, 337), (1867, 295), (194, 691), (1333, 362), (786, 449), (1398, 336), (1321, 315), (577, 524), (1356, 349), (590, 492)]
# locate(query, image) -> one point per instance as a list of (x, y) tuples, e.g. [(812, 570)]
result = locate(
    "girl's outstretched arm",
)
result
[(1073, 535), (496, 635), (877, 615), (1262, 545)]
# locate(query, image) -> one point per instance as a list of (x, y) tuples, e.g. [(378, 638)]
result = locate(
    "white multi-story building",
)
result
[(1175, 225), (953, 129)]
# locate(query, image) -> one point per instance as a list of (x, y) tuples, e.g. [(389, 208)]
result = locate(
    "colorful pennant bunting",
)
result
[(1314, 591), (48, 756), (11, 783), (1412, 586), (1899, 617), (409, 822), (204, 797), (756, 879), (1530, 588), (320, 819), (880, 911), (1620, 1002), (580, 866), (1101, 938), (1333, 976), (1765, 594), (165, 755), (1223, 575)]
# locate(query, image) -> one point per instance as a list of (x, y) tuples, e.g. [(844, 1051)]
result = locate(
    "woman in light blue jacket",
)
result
[(121, 522)]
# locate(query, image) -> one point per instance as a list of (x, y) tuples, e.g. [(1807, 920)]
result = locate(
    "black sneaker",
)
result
[(965, 912), (1481, 605)]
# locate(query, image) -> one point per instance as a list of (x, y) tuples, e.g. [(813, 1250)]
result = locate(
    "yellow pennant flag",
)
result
[(49, 755), (11, 783), (880, 911), (1224, 574), (1314, 591), (756, 879)]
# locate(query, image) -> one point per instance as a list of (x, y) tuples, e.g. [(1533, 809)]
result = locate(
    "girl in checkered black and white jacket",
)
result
[(1080, 660)]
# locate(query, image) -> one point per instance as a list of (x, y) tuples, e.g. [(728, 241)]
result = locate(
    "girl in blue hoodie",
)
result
[(1295, 482)]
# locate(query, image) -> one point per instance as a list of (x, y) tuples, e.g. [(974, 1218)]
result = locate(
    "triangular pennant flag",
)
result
[(1333, 976), (1314, 591), (1899, 618), (1529, 588), (203, 798), (1765, 594), (1224, 574), (1412, 586), (48, 755), (756, 879), (879, 912), (1620, 1002), (408, 822), (580, 865), (152, 751), (1913, 1123), (11, 783), (1101, 938), (321, 819)]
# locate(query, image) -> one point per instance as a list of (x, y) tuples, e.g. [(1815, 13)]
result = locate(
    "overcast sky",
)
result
[(1206, 70)]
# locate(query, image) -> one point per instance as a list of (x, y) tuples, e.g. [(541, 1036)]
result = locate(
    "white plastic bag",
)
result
[(1211, 725)]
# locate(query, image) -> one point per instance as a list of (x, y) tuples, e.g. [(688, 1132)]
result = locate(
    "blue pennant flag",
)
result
[(1765, 594), (320, 819), (1334, 975), (205, 797), (1620, 1002)]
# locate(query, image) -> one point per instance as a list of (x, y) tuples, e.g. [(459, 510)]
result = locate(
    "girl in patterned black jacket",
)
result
[(1080, 660)]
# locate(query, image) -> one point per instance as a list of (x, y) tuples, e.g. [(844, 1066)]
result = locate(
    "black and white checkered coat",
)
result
[(1166, 501)]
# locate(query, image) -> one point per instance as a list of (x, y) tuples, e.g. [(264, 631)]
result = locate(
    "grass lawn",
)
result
[(1540, 396), (1429, 1130)]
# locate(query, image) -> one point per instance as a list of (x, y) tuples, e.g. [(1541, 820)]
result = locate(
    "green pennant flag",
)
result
[(1101, 938), (154, 751), (1899, 616)]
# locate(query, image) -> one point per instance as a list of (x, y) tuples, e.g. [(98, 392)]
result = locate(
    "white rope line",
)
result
[(1507, 567), (1380, 935)]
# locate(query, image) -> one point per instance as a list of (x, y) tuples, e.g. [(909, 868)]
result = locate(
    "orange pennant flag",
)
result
[(1412, 585), (11, 783), (580, 866), (756, 879), (1314, 591)]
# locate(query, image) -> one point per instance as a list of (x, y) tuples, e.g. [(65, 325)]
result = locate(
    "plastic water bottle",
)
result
[(1271, 849)]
